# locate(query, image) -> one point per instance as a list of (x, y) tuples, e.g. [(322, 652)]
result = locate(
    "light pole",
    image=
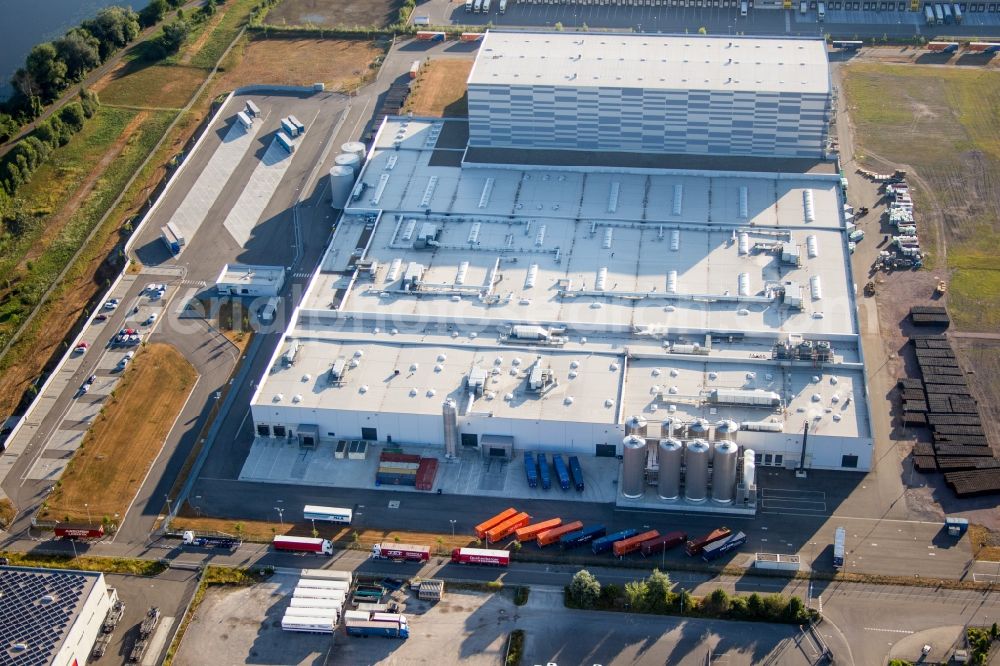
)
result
[(281, 516), (87, 507), (166, 523), (452, 521)]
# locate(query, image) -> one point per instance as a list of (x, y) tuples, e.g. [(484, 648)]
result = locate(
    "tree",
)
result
[(796, 611), (114, 27), (153, 13), (658, 594), (584, 589), (8, 126), (717, 602), (80, 51), (72, 116), (685, 602), (46, 69), (174, 34), (635, 595), (755, 606), (89, 102)]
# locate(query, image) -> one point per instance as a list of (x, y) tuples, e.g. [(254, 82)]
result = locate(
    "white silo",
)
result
[(355, 148), (633, 466), (749, 467), (696, 477), (724, 472), (348, 160), (636, 425), (449, 413), (341, 184), (667, 428), (725, 430), (671, 454)]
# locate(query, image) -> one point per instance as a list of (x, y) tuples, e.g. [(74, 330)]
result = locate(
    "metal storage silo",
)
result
[(449, 412), (636, 425), (724, 472), (667, 428), (355, 148), (725, 430), (696, 477), (348, 160), (633, 466), (671, 454), (341, 184)]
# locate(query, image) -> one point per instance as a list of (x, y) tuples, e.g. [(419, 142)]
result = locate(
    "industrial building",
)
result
[(248, 280), (49, 616), (498, 307)]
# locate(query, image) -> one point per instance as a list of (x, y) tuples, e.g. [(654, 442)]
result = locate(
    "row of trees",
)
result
[(655, 594)]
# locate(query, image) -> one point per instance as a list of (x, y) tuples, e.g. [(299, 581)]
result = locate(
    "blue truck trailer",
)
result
[(561, 473), (585, 535), (530, 469), (543, 471), (839, 541), (605, 543), (576, 473), (372, 628), (720, 548)]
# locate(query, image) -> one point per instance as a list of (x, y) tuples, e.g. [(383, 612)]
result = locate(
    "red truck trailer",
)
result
[(486, 525), (401, 551), (303, 544), (632, 544), (79, 531), (697, 545), (663, 542), (529, 532), (507, 527), (499, 558)]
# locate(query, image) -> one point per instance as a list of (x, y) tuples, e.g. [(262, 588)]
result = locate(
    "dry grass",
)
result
[(7, 512), (109, 467), (440, 89), (985, 544), (157, 86), (298, 62), (327, 14)]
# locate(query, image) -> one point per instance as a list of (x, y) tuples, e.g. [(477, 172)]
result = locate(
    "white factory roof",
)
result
[(248, 274), (652, 62)]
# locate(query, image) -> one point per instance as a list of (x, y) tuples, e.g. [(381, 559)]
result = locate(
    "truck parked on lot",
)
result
[(543, 472), (604, 544), (206, 541), (631, 544), (326, 574), (663, 542), (330, 514), (839, 542), (499, 558), (315, 625), (303, 544), (956, 526), (561, 472), (576, 473), (585, 535), (723, 546), (79, 531), (384, 629), (507, 527), (401, 551), (285, 142), (530, 469), (697, 545), (172, 237), (485, 526), (319, 584), (529, 532), (549, 537)]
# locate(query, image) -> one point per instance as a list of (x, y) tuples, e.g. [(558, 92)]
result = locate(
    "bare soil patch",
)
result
[(440, 89), (323, 13)]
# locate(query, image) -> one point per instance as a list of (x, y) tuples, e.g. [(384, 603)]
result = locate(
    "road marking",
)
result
[(890, 631)]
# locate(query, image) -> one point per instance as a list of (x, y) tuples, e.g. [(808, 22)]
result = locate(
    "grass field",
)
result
[(326, 14), (159, 86), (440, 89), (120, 447), (942, 123)]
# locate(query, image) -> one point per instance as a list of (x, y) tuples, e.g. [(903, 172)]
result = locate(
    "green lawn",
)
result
[(944, 122), (160, 86), (237, 14)]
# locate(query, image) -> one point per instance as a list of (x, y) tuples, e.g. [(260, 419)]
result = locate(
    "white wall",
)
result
[(83, 633)]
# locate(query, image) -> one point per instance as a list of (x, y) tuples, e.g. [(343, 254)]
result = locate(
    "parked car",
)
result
[(83, 389), (150, 319), (82, 347), (91, 379), (125, 359), (112, 304), (101, 317)]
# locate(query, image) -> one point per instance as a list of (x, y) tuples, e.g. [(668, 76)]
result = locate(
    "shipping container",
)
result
[(530, 469), (958, 13), (576, 473), (251, 109), (939, 14), (486, 525), (776, 562), (244, 120), (426, 473), (289, 128), (319, 593), (529, 532), (839, 544), (942, 47), (172, 236), (500, 558), (303, 544), (470, 36), (326, 574), (507, 527), (543, 471), (984, 47), (333, 601), (582, 536), (552, 536), (320, 584), (605, 543), (723, 546), (371, 628), (929, 15), (401, 551), (299, 127), (421, 20), (696, 545), (285, 141), (632, 544), (209, 541), (414, 69), (79, 531), (429, 36), (562, 474), (503, 6), (331, 514), (946, 8), (664, 542), (468, 7), (316, 625), (399, 457)]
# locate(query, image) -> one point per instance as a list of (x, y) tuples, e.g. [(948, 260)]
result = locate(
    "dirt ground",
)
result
[(440, 89), (301, 62), (127, 436), (324, 13), (157, 86)]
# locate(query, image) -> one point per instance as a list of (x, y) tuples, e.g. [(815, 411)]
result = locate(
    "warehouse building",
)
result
[(470, 306), (49, 616), (682, 94)]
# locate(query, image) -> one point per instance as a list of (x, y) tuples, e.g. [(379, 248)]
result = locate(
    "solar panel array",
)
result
[(36, 611)]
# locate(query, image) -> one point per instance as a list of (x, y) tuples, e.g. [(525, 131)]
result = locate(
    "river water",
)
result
[(24, 23)]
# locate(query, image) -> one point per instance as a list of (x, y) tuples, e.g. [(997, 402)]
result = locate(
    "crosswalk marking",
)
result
[(891, 631)]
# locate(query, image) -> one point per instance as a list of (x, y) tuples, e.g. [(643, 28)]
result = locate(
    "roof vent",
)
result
[(47, 599), (413, 392), (609, 403), (568, 400), (363, 389), (306, 377), (277, 397), (431, 393), (297, 398)]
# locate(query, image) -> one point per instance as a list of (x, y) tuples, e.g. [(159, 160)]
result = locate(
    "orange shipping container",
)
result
[(632, 544), (529, 532), (507, 527), (482, 528), (551, 536)]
